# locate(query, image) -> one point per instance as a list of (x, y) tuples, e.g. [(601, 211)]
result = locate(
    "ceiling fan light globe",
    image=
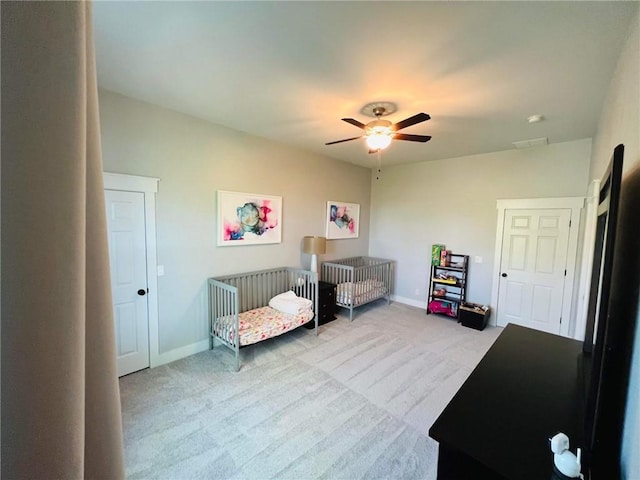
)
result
[(378, 140)]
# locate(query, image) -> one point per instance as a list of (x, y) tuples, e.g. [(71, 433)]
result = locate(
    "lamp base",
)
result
[(314, 263)]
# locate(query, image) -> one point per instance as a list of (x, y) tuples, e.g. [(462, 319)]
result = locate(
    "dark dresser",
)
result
[(326, 303), (527, 388)]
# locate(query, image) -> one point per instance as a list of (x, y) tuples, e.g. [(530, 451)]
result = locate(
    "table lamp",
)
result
[(314, 246)]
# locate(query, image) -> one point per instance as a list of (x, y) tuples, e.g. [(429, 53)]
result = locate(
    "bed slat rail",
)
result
[(223, 315)]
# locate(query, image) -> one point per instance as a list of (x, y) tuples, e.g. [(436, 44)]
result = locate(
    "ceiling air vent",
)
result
[(535, 142)]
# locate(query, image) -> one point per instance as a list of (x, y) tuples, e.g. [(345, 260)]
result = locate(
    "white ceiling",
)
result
[(288, 71)]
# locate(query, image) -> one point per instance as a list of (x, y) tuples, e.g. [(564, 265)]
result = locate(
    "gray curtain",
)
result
[(60, 399)]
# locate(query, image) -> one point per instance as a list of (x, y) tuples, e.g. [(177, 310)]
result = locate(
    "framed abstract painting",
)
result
[(343, 220), (248, 219)]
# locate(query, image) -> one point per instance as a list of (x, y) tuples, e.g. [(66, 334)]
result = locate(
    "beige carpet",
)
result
[(355, 402)]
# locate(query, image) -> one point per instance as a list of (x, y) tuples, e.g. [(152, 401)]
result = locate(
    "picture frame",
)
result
[(343, 220), (248, 219)]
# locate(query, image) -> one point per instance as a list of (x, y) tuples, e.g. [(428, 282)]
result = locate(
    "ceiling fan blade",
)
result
[(354, 122), (412, 138), (407, 122), (345, 140)]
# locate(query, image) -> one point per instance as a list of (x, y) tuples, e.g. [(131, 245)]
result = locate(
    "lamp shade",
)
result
[(314, 245)]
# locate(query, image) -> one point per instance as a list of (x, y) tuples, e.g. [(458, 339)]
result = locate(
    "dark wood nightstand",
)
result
[(326, 304)]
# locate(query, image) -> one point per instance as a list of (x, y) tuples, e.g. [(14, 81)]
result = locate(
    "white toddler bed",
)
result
[(241, 307), (359, 280)]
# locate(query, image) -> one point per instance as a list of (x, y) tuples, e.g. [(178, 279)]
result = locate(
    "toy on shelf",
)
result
[(447, 282)]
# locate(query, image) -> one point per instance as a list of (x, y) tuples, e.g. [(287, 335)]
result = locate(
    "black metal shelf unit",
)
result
[(448, 286)]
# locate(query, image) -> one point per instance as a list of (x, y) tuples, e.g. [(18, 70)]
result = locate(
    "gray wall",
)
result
[(194, 159), (620, 123), (453, 202)]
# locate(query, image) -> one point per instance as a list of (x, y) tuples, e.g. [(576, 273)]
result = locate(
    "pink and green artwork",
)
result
[(343, 220), (248, 219)]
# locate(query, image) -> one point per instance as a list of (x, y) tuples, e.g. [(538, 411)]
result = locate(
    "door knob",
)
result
[(504, 274), (141, 292)]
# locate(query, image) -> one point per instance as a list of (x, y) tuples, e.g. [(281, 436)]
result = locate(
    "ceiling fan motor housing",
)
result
[(378, 127)]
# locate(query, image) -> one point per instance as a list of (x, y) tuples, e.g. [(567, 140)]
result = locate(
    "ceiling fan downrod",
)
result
[(379, 111)]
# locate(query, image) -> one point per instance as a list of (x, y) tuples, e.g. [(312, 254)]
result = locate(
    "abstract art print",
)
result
[(343, 220), (248, 219)]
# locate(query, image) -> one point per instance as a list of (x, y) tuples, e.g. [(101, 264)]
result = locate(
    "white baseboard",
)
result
[(409, 301), (182, 352)]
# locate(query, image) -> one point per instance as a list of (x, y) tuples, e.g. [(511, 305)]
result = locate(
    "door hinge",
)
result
[(569, 223), (565, 272), (560, 320)]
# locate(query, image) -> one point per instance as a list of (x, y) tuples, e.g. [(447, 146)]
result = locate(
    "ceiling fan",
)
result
[(379, 132)]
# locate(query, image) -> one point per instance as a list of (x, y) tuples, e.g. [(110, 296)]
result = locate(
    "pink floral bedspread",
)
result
[(261, 323)]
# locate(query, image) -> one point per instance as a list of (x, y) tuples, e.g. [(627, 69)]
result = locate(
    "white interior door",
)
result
[(533, 268), (127, 256)]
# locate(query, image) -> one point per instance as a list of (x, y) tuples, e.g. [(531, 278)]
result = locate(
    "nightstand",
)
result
[(326, 304)]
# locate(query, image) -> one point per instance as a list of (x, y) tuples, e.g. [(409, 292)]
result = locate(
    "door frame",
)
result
[(149, 187), (586, 265), (573, 203)]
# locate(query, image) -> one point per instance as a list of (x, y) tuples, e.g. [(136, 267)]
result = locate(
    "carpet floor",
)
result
[(354, 402)]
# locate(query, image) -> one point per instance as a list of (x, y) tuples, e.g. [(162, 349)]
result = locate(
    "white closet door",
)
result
[(533, 268), (127, 255)]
